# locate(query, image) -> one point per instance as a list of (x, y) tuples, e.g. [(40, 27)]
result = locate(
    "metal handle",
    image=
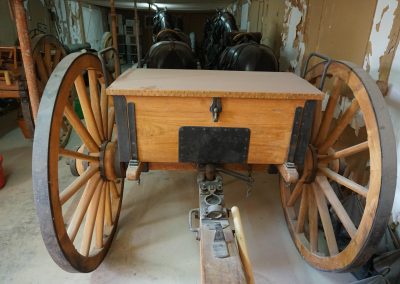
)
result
[(194, 230), (328, 62), (100, 54)]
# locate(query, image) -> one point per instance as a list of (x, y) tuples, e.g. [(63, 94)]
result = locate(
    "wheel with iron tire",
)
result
[(47, 52), (78, 209), (338, 210)]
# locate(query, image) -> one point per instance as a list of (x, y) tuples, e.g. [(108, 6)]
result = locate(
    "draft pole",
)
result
[(114, 36), (27, 59), (138, 49)]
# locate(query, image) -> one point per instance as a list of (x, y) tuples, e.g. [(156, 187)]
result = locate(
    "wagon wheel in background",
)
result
[(47, 52), (78, 214), (338, 210), (106, 42)]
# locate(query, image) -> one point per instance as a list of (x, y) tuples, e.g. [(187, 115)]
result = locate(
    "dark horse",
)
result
[(171, 47), (225, 48)]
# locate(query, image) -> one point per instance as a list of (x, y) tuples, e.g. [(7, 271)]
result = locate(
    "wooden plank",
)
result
[(158, 120), (211, 83), (219, 270)]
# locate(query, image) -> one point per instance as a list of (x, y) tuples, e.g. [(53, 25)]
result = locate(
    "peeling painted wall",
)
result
[(293, 47), (93, 22), (382, 61), (379, 38), (70, 32)]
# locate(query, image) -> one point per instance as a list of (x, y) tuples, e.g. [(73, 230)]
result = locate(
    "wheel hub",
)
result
[(108, 161)]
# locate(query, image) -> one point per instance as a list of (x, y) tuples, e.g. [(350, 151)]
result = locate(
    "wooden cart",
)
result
[(328, 145), (47, 51)]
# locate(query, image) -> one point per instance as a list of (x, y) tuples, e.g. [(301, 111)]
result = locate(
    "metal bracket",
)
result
[(132, 130), (305, 132), (121, 118), (216, 108), (220, 248), (295, 134), (194, 212)]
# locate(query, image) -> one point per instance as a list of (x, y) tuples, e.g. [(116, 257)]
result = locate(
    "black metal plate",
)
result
[(216, 145)]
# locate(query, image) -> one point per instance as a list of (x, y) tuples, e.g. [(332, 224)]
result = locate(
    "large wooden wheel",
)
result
[(338, 210), (78, 214), (47, 52)]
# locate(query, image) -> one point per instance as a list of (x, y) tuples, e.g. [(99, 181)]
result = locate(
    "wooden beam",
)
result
[(138, 49), (26, 52), (114, 36), (219, 270)]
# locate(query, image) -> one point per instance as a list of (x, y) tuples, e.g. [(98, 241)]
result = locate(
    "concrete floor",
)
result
[(153, 244)]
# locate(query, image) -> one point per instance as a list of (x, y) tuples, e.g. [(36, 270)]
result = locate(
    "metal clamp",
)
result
[(196, 213)]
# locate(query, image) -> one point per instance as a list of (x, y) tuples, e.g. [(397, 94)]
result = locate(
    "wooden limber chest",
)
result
[(172, 108)]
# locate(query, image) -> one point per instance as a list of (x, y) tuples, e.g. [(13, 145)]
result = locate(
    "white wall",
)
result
[(93, 22), (379, 41)]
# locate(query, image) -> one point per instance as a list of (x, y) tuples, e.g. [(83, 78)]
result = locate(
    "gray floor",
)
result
[(153, 244)]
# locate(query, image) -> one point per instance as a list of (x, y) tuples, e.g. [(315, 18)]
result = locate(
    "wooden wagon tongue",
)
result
[(221, 260)]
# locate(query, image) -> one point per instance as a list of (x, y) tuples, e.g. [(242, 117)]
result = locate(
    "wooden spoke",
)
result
[(68, 192), (296, 193), (57, 57), (336, 205), (80, 129), (328, 114), (100, 218), (104, 109), (114, 190), (312, 220), (90, 221), (47, 57), (344, 181), (87, 109), (111, 120), (79, 156), (326, 220), (302, 212), (340, 126), (108, 207), (44, 76), (83, 205), (346, 152), (95, 101)]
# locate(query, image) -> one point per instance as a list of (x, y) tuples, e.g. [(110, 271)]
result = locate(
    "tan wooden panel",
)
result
[(158, 120), (211, 83)]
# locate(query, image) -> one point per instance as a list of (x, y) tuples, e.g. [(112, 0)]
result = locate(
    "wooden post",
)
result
[(81, 24), (138, 49), (27, 59), (114, 35), (67, 16)]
